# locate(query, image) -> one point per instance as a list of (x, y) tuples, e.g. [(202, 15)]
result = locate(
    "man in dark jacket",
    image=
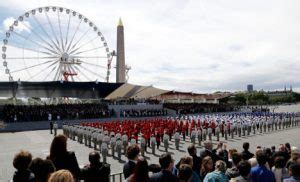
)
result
[(165, 175), (197, 161), (246, 155), (96, 170), (132, 155)]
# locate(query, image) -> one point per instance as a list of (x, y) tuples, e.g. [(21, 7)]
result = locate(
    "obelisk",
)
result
[(120, 77)]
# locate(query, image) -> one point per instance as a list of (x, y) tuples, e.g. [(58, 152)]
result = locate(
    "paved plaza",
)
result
[(38, 143)]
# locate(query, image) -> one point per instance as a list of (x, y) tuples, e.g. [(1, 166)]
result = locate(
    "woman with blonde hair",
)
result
[(61, 176)]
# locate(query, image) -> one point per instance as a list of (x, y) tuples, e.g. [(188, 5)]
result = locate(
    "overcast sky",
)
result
[(195, 45)]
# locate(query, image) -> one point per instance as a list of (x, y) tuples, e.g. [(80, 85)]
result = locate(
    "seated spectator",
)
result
[(244, 168), (260, 173), (61, 176), (279, 169), (246, 155), (233, 171), (21, 162), (218, 174), (165, 175), (294, 171), (132, 155), (207, 166), (61, 157), (185, 173), (187, 160), (196, 160), (41, 169), (96, 170), (140, 172)]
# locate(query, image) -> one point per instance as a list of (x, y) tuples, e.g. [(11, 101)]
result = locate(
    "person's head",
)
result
[(141, 170), (207, 164), (288, 146), (154, 168), (58, 146), (281, 148), (186, 160), (133, 152), (220, 166), (279, 162), (261, 158), (185, 173), (244, 168), (42, 169), (294, 170), (246, 146), (166, 161), (94, 158), (220, 145), (208, 145), (236, 158), (192, 150), (61, 176), (273, 148), (22, 160)]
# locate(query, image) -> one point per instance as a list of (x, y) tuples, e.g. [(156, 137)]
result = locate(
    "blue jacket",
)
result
[(262, 174), (216, 177)]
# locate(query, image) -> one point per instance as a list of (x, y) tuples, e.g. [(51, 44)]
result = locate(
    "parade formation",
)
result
[(114, 136)]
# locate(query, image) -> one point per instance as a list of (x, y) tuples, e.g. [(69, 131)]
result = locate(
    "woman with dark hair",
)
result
[(140, 172), (61, 157), (206, 167), (41, 169)]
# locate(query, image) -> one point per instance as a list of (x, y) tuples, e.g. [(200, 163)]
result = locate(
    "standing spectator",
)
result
[(233, 171), (246, 155), (206, 167), (187, 160), (165, 175), (196, 160), (208, 152), (294, 171), (96, 170), (132, 155), (61, 158), (140, 172), (260, 173), (244, 168), (21, 162), (218, 174), (41, 169), (185, 173), (61, 176), (279, 169)]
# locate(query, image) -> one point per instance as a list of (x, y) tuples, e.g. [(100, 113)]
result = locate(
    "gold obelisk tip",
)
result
[(120, 22)]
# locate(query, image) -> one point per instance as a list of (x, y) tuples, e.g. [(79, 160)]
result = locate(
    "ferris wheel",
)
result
[(54, 44)]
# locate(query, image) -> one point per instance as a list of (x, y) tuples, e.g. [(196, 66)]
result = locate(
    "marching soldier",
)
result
[(143, 145), (166, 141), (112, 145), (239, 128), (204, 134), (100, 139), (218, 132), (153, 143), (55, 126), (125, 142), (89, 136), (254, 127), (199, 136), (193, 136), (209, 130), (265, 126), (119, 147), (226, 131), (104, 151), (177, 140), (94, 138)]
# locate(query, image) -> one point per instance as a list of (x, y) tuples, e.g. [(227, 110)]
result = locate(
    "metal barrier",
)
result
[(117, 177)]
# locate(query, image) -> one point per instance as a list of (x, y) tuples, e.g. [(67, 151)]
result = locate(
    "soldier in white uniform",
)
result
[(217, 131), (199, 136), (153, 143), (55, 126), (193, 136), (204, 134), (89, 136), (104, 151), (112, 145), (119, 147), (106, 139), (125, 142), (166, 141), (177, 139), (94, 138), (132, 140), (143, 145), (100, 139)]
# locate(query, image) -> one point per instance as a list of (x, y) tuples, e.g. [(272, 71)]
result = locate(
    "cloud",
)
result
[(199, 46), (24, 26)]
